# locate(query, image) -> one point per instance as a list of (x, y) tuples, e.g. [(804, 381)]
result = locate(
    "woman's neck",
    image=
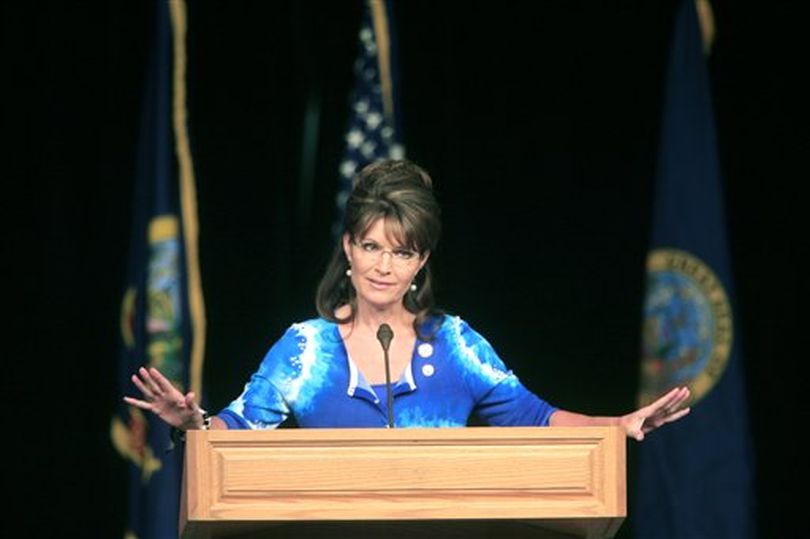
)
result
[(369, 319)]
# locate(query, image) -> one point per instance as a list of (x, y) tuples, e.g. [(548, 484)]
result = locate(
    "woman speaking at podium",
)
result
[(381, 354)]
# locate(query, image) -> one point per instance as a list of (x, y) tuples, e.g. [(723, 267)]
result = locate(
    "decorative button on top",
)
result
[(425, 350)]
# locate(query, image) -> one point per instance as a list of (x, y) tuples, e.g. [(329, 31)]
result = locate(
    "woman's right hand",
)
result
[(164, 400)]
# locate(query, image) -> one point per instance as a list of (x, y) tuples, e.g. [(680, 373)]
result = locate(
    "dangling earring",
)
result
[(348, 272), (413, 287)]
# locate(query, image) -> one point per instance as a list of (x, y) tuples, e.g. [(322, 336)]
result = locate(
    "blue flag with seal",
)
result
[(372, 133), (695, 477), (162, 313)]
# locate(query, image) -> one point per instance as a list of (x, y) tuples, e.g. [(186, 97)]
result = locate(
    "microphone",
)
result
[(384, 335)]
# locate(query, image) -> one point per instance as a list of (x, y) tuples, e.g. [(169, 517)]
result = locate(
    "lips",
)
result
[(380, 284)]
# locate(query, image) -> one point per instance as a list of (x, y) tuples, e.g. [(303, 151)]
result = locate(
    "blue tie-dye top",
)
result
[(308, 374)]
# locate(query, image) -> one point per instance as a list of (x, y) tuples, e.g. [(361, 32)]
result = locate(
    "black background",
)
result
[(538, 122)]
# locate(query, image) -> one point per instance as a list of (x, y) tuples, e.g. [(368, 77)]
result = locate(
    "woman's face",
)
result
[(382, 268)]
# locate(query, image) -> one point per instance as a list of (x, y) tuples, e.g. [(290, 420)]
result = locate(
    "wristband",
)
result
[(206, 420), (178, 435)]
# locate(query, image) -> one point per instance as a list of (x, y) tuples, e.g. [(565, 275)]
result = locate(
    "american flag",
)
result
[(371, 134)]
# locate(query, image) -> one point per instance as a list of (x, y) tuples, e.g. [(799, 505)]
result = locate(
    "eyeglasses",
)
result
[(372, 252)]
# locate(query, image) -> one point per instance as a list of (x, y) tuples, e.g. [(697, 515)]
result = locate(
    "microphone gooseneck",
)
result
[(384, 335)]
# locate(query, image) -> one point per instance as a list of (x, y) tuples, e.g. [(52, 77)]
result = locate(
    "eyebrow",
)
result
[(400, 247)]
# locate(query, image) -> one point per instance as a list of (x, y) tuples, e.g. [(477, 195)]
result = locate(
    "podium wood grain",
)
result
[(474, 480)]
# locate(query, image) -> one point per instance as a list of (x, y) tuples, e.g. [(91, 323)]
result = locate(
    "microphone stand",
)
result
[(384, 335)]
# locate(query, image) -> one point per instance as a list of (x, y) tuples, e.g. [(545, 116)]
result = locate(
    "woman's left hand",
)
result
[(664, 410)]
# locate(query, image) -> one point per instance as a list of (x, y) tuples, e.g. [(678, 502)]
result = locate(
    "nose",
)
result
[(384, 262)]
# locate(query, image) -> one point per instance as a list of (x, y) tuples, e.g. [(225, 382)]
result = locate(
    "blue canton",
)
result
[(370, 135)]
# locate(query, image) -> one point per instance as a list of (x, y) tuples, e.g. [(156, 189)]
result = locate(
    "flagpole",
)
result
[(188, 197)]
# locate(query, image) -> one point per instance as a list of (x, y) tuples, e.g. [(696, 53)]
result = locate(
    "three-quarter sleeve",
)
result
[(263, 402), (500, 398)]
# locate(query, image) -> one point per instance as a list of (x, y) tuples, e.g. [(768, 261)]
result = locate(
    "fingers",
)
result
[(638, 430), (152, 383), (147, 391), (191, 401), (670, 402), (160, 380), (151, 379), (653, 423), (677, 415), (672, 397), (155, 389), (672, 408), (665, 409), (679, 398), (143, 405)]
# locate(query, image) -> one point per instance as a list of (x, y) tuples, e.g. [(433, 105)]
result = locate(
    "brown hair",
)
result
[(401, 193)]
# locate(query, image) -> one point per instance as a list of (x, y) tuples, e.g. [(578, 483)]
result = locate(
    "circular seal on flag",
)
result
[(688, 328)]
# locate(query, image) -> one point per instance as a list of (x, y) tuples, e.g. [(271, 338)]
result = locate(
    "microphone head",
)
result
[(384, 335)]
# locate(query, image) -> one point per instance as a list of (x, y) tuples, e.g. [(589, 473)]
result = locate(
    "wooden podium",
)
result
[(549, 482)]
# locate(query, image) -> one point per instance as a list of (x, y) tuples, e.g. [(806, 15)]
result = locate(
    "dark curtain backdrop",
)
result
[(538, 121)]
